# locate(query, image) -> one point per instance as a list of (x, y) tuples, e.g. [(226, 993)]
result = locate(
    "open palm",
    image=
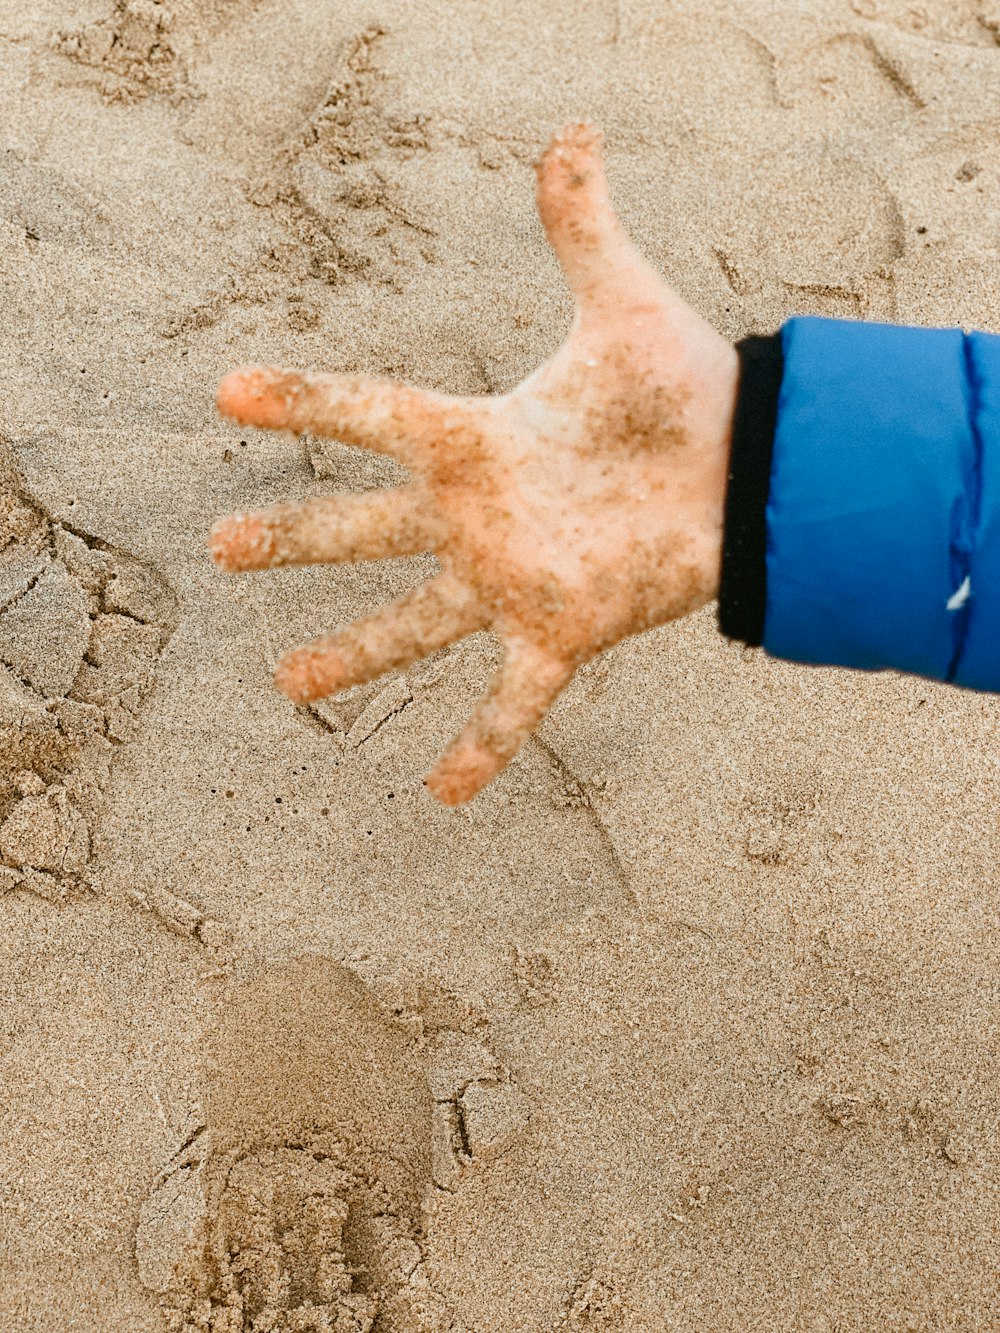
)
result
[(584, 506)]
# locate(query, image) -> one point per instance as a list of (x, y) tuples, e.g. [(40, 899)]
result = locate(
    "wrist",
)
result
[(719, 407)]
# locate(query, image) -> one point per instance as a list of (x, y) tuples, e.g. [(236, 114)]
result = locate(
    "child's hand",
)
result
[(585, 505)]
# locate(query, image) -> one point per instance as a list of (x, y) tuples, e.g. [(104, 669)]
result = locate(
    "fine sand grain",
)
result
[(690, 1021)]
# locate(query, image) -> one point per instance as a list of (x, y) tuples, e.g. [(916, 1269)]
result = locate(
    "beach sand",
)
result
[(688, 1022)]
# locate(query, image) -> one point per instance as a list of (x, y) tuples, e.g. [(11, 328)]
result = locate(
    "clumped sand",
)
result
[(690, 1022)]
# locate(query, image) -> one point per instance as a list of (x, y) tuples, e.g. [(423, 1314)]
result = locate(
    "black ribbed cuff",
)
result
[(743, 588)]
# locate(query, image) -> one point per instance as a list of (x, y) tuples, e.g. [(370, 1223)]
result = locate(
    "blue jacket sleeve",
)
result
[(883, 512)]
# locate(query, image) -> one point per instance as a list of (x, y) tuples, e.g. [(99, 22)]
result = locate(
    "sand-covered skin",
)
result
[(690, 1021)]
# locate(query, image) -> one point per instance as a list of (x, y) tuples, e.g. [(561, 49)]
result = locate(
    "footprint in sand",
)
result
[(82, 626), (336, 182), (966, 22), (131, 49), (329, 1125), (140, 47), (840, 235), (847, 79), (349, 190)]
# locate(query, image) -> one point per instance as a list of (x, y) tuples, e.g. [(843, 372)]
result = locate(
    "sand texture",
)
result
[(689, 1023)]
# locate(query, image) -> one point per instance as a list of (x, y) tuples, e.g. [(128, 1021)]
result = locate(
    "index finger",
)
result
[(383, 415)]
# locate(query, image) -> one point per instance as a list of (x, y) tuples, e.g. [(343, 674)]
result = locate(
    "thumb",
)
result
[(575, 208)]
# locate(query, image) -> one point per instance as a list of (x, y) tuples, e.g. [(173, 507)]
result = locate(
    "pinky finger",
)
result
[(523, 690)]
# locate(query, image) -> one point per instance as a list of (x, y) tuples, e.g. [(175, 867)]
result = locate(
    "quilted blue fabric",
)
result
[(883, 520)]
